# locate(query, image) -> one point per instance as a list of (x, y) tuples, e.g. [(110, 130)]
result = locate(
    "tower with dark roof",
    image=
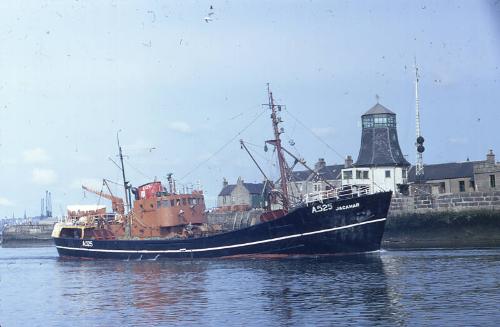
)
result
[(380, 163), (379, 140)]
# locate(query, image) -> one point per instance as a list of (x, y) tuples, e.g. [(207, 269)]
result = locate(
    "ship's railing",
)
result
[(344, 192)]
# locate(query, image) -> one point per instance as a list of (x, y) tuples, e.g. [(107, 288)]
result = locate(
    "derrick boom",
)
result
[(116, 202)]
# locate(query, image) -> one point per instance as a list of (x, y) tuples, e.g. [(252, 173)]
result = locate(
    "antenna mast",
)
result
[(277, 142), (419, 167)]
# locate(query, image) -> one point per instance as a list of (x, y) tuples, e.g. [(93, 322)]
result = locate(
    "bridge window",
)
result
[(163, 203), (71, 233)]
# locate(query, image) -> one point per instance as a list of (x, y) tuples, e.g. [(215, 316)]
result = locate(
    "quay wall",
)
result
[(447, 220), (27, 233)]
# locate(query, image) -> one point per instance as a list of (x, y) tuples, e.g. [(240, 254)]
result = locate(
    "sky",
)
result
[(180, 92)]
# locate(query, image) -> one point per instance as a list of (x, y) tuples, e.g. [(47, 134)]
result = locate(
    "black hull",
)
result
[(332, 227)]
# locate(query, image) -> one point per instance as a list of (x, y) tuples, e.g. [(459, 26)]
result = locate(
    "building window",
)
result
[(442, 187), (461, 186), (379, 120), (367, 121), (361, 174), (492, 181), (317, 187), (347, 174), (404, 173), (387, 174)]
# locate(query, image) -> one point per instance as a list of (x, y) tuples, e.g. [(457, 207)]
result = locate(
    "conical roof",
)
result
[(378, 109)]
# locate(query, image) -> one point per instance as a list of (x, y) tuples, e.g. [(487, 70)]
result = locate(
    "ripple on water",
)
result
[(442, 287)]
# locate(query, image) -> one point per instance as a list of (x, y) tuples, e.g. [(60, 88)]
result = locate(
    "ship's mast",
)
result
[(125, 183), (277, 142), (419, 166)]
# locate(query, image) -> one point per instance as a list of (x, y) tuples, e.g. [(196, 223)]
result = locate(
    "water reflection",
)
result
[(160, 291), (389, 289), (285, 291), (319, 291)]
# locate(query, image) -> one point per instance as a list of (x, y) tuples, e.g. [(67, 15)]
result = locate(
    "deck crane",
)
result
[(116, 202)]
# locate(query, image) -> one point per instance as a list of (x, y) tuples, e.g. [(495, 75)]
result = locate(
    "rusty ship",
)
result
[(159, 222)]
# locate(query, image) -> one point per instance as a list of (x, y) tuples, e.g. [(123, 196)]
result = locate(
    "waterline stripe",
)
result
[(227, 246)]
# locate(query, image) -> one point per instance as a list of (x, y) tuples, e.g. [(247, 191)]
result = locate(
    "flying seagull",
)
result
[(209, 17)]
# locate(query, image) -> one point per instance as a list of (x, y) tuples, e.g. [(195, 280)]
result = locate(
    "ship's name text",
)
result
[(87, 244), (329, 206)]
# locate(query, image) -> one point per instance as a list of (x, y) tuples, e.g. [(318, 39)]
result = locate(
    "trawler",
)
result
[(162, 222)]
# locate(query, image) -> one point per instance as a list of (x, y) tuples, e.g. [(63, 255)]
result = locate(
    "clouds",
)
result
[(42, 176), (4, 202), (35, 156), (38, 156), (179, 126)]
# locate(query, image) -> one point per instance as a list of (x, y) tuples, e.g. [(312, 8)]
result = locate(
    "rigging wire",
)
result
[(258, 153), (138, 170), (315, 135), (222, 147)]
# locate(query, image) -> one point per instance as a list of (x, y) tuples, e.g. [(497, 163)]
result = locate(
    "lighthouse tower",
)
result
[(380, 162)]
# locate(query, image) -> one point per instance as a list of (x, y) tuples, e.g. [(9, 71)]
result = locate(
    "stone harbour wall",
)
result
[(445, 202), (448, 220), (27, 233)]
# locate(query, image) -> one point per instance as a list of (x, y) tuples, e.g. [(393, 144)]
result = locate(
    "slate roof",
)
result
[(253, 188), (380, 147), (450, 170), (330, 172), (378, 109), (227, 190)]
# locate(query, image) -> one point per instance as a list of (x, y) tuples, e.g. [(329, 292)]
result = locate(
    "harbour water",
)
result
[(391, 288)]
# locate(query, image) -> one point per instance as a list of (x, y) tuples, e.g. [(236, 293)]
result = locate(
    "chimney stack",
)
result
[(490, 157), (320, 164), (348, 162), (224, 182)]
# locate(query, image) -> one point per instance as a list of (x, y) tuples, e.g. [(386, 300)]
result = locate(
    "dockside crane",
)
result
[(116, 202)]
